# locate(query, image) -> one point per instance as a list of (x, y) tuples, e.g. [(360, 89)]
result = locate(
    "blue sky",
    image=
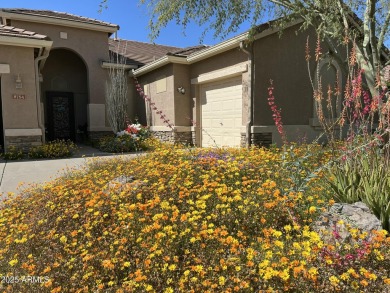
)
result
[(131, 18)]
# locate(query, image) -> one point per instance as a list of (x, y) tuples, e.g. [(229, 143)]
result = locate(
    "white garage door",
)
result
[(221, 113)]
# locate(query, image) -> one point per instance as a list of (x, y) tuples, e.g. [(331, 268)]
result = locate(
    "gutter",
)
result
[(24, 42), (208, 52), (38, 89), (112, 65), (159, 63), (218, 49), (251, 91), (103, 27)]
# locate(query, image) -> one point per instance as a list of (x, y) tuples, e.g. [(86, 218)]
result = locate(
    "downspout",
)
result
[(38, 91), (251, 92)]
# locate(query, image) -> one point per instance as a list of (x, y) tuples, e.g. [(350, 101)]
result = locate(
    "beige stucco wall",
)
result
[(164, 101), (136, 104), (92, 47), (18, 113), (220, 61), (282, 59), (183, 102)]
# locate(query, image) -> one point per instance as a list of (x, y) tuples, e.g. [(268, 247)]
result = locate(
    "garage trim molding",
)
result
[(224, 73)]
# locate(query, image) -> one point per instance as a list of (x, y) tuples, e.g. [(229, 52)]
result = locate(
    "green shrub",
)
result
[(53, 149), (362, 175), (129, 140), (118, 144), (13, 153)]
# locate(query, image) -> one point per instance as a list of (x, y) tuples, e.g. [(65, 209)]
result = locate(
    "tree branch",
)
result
[(373, 39), (286, 4), (384, 29), (366, 30), (340, 5)]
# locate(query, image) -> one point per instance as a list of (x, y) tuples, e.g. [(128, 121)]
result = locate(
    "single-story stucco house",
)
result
[(53, 71), (224, 88), (54, 66)]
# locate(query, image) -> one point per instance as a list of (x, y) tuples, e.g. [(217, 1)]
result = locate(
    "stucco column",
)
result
[(97, 117)]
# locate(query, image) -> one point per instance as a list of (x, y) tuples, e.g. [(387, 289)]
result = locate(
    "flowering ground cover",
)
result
[(194, 220)]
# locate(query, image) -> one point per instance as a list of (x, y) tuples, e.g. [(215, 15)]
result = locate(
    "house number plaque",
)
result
[(18, 97)]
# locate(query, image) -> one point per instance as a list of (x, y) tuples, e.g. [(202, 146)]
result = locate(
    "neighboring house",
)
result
[(224, 89), (53, 71)]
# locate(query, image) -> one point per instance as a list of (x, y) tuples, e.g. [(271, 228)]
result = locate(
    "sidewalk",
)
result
[(13, 173)]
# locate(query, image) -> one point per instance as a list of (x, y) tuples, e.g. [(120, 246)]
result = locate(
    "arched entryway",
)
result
[(65, 95)]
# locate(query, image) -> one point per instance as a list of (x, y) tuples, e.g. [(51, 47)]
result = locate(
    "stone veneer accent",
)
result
[(23, 142), (243, 142), (261, 139), (193, 134), (174, 137)]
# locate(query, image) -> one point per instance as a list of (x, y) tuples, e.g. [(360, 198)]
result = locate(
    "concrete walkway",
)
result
[(18, 175)]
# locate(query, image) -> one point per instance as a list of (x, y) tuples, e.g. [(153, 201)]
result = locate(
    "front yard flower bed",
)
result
[(129, 140), (203, 220)]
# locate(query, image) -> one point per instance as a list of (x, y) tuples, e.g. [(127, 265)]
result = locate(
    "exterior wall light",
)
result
[(181, 90), (18, 82)]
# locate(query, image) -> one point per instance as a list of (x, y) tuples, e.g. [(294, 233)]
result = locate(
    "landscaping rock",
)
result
[(356, 215), (121, 182)]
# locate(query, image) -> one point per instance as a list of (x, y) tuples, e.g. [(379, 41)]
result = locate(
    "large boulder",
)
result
[(336, 223)]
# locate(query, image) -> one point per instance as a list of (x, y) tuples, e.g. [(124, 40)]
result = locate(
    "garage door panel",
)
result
[(238, 122), (228, 105), (228, 123), (222, 113)]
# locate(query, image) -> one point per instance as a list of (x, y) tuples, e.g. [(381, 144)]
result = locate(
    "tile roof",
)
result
[(188, 50), (58, 15), (139, 53), (10, 31)]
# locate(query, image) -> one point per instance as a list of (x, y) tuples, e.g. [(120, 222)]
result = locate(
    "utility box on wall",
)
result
[(4, 68)]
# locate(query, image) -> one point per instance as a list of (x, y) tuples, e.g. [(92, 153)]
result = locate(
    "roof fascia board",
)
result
[(212, 51), (25, 42), (60, 22), (217, 49), (159, 63), (271, 31), (110, 65)]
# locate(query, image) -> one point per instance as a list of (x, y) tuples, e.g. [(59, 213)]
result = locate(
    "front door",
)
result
[(60, 115)]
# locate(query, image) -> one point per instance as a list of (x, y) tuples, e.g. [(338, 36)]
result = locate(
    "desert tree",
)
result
[(116, 92), (365, 22)]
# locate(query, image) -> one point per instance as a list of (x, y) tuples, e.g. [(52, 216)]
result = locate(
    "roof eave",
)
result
[(213, 50), (25, 42), (60, 22), (218, 49), (110, 65), (159, 63)]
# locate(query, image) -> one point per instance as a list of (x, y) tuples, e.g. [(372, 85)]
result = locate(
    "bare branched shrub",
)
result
[(116, 92)]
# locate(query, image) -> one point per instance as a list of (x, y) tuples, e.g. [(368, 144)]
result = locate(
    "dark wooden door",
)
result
[(60, 115)]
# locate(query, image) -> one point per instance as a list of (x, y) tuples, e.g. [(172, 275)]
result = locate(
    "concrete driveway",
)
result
[(18, 175)]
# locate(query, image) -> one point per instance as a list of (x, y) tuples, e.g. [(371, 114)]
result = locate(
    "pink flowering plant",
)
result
[(130, 139), (359, 168)]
